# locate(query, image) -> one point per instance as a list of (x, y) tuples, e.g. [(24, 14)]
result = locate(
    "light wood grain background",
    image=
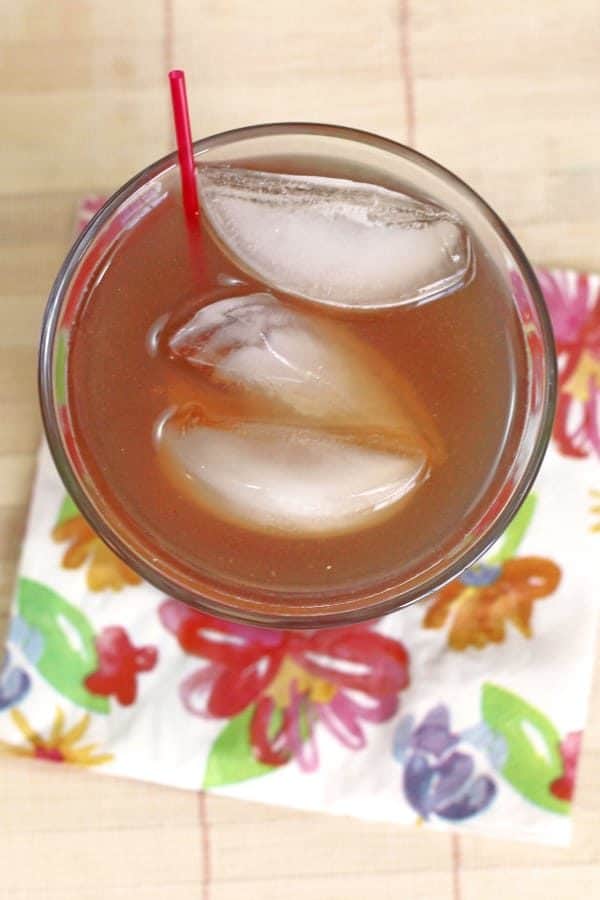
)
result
[(506, 94)]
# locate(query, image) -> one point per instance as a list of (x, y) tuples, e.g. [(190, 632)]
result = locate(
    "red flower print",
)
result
[(564, 787), (119, 665), (573, 301), (339, 678)]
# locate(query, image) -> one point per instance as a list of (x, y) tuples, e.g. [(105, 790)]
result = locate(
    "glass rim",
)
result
[(385, 600)]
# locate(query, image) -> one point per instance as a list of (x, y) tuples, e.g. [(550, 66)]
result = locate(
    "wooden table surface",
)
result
[(505, 94)]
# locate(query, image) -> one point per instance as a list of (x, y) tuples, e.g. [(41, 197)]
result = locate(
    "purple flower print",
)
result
[(440, 779), (14, 683)]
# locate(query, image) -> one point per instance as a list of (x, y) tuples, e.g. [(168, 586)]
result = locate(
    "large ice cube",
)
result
[(287, 478), (291, 423), (335, 241), (296, 362)]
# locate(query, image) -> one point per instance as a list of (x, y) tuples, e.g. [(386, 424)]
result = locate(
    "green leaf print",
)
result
[(67, 511), (231, 758), (533, 761), (69, 651), (514, 534)]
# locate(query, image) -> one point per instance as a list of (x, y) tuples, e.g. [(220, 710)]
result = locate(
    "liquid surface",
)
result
[(411, 402)]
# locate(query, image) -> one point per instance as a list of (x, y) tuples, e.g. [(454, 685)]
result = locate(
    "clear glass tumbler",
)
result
[(519, 458)]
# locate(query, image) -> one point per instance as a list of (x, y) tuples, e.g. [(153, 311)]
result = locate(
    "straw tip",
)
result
[(176, 74)]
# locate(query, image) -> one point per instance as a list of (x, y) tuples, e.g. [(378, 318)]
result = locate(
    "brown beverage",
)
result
[(264, 445)]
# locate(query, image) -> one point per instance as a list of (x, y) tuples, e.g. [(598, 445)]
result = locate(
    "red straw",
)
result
[(187, 167)]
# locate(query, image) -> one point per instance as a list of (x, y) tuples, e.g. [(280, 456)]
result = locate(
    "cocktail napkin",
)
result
[(464, 711)]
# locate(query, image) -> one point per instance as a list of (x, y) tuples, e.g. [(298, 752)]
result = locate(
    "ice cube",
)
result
[(291, 422), (289, 479), (296, 362), (338, 242)]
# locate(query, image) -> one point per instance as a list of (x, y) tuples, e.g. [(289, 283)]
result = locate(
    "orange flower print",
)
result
[(478, 605), (105, 569), (62, 745)]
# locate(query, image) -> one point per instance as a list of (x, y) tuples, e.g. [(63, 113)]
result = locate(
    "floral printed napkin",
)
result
[(464, 711)]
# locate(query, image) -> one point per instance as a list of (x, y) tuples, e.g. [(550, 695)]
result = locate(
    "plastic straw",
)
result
[(187, 167)]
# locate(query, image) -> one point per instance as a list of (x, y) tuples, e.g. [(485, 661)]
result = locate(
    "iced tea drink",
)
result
[(313, 405)]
